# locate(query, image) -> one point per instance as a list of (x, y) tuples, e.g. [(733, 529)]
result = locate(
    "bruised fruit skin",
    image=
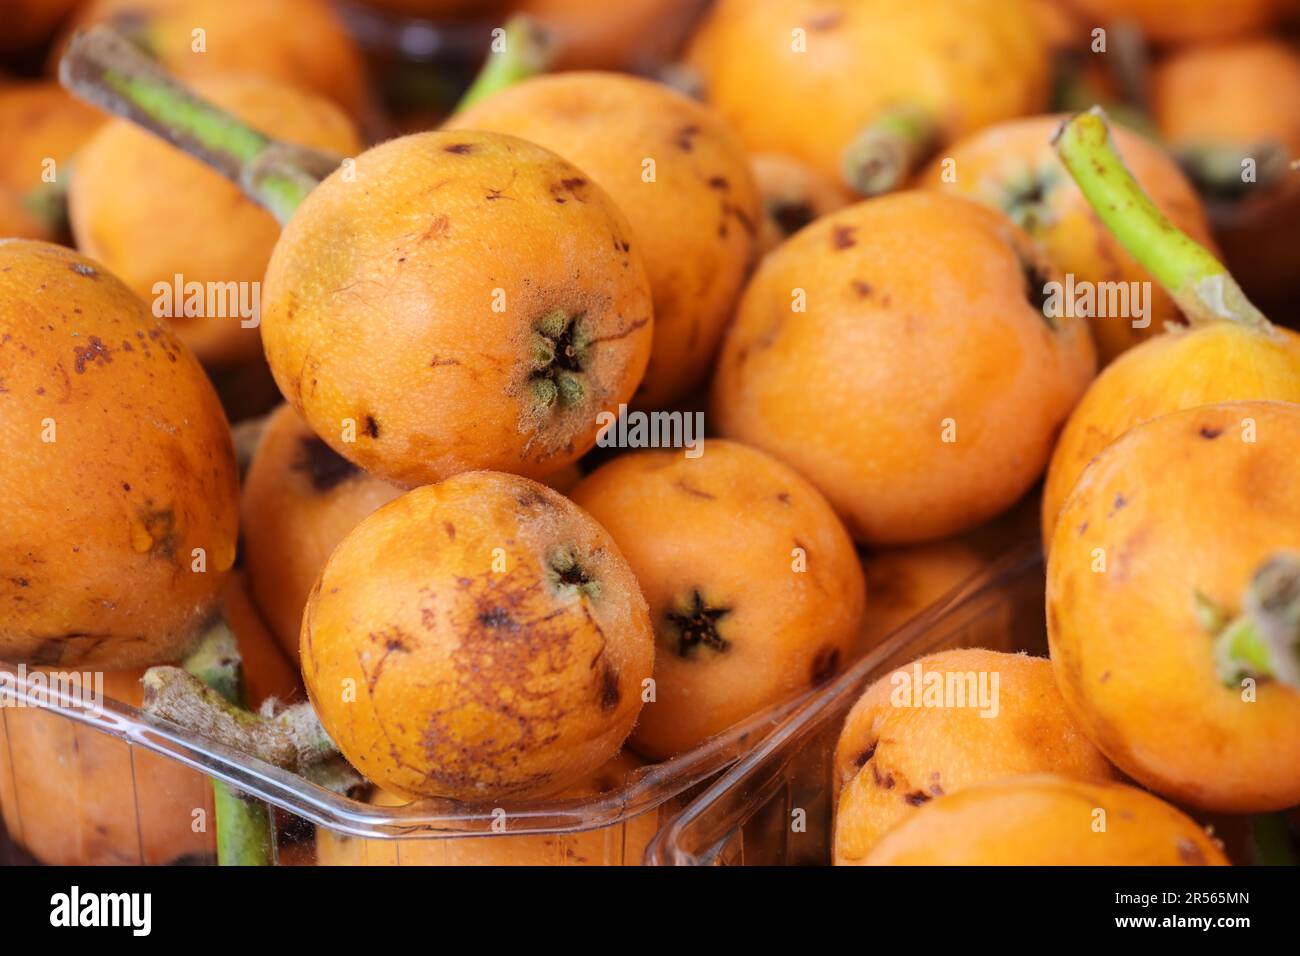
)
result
[(1218, 362), (1185, 509), (794, 194), (847, 391), (895, 755), (1181, 21), (493, 637), (150, 213), (965, 63), (300, 499), (716, 543), (696, 220), (1047, 820), (623, 843), (457, 300), (298, 43), (118, 466), (1013, 168), (38, 122), (74, 796)]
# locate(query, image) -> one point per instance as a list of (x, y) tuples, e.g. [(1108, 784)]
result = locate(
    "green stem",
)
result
[(104, 69), (1198, 282), (244, 832), (523, 50), (889, 148), (1264, 640)]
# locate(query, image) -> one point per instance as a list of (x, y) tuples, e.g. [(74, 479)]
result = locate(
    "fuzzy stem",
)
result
[(1264, 640), (244, 833), (106, 70), (1198, 282), (888, 149), (526, 50)]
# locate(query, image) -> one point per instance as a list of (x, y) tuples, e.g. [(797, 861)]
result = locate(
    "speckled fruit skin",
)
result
[(97, 536), (38, 121), (471, 682), (300, 499), (1183, 368), (971, 62), (727, 526), (890, 760), (300, 43), (149, 212), (696, 221), (378, 306), (625, 842), (1181, 506), (1182, 21), (74, 796), (917, 314), (1046, 820), (998, 166)]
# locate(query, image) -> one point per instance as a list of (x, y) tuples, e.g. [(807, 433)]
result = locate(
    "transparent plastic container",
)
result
[(110, 784), (113, 785), (773, 806)]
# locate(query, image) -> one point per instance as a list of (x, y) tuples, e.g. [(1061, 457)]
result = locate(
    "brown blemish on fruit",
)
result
[(1120, 503), (96, 351), (372, 426), (160, 524), (574, 186), (1209, 433), (842, 237), (610, 695), (862, 758), (917, 797), (697, 625), (886, 781), (862, 289), (683, 485), (450, 529), (685, 139), (326, 468), (460, 149), (439, 362)]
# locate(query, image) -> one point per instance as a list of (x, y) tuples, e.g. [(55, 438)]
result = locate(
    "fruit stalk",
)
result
[(104, 69), (1264, 640), (526, 49), (244, 834), (1197, 281), (888, 149)]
